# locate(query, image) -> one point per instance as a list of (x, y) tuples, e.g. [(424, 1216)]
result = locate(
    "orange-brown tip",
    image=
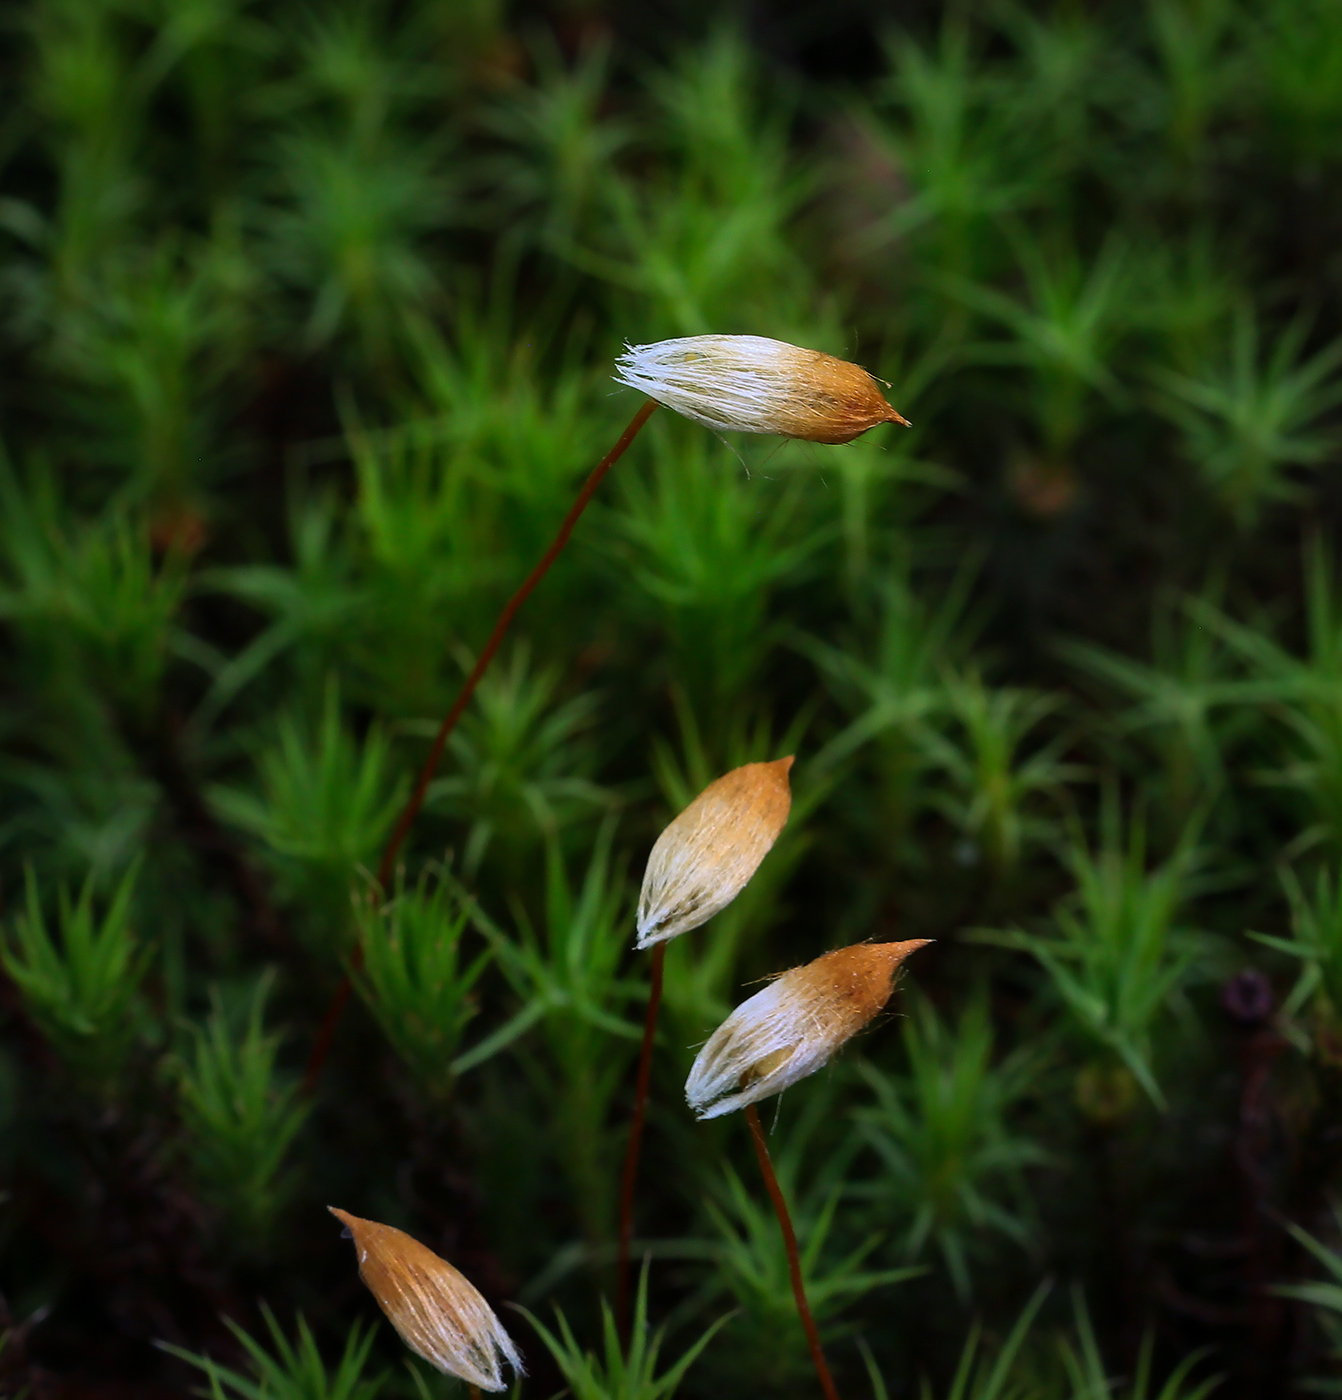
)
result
[(751, 384), (793, 1026), (437, 1311), (706, 856)]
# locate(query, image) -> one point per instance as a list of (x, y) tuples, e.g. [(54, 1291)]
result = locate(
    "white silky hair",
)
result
[(781, 1017), (681, 890), (462, 1337), (437, 1311), (706, 856), (733, 383)]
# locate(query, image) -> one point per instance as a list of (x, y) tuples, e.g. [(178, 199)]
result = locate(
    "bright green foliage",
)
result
[(949, 1159), (1117, 955), (292, 1370), (1246, 419), (994, 786), (621, 1373), (1306, 695), (81, 986), (412, 512), (241, 1115), (349, 241), (513, 445), (1064, 337), (307, 318), (1200, 68), (156, 337), (706, 563), (567, 975), (1301, 67), (1316, 940), (357, 199), (556, 148), (518, 762), (326, 803), (416, 979), (85, 87), (752, 1265), (96, 592), (1185, 705), (1060, 88), (312, 604), (708, 230), (901, 683), (963, 179), (895, 693), (414, 515), (1313, 712), (1193, 288)]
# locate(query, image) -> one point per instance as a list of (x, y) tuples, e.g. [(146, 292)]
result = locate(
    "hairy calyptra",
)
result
[(750, 384), (792, 1027), (746, 383), (706, 856), (439, 1314)]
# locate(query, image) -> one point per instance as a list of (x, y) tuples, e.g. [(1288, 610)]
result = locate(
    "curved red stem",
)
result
[(629, 1177), (793, 1253), (411, 809)]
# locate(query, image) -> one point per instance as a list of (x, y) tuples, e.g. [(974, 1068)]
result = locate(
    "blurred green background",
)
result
[(307, 316)]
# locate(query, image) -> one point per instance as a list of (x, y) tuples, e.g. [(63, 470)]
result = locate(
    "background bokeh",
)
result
[(307, 316)]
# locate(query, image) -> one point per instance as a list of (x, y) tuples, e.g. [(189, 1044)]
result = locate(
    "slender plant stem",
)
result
[(793, 1253), (411, 809), (629, 1177), (510, 608), (321, 1047)]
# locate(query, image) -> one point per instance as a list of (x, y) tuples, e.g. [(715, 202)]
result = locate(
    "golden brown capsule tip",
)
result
[(793, 1026), (439, 1314), (751, 384), (707, 855)]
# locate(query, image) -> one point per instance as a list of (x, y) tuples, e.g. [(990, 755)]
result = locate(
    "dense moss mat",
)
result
[(308, 317)]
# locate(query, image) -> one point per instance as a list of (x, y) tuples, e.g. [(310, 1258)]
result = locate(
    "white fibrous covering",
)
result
[(792, 1027), (750, 384), (707, 855), (438, 1312)]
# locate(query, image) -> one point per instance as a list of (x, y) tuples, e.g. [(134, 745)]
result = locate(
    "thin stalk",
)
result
[(630, 1175), (510, 609), (793, 1253), (411, 810)]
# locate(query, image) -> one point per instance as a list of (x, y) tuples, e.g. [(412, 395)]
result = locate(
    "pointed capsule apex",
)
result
[(439, 1314), (794, 1026), (750, 384), (705, 858)]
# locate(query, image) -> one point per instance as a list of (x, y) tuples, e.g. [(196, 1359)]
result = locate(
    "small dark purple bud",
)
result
[(1247, 997)]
